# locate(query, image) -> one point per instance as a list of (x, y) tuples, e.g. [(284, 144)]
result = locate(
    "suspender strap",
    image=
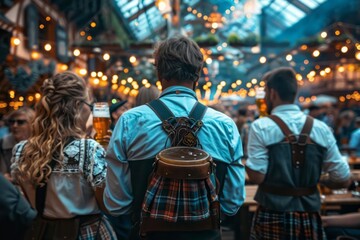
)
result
[(164, 113), (284, 128), (304, 136), (161, 110), (198, 111)]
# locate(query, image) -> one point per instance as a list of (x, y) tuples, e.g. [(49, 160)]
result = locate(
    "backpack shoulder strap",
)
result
[(198, 111), (161, 110), (284, 128)]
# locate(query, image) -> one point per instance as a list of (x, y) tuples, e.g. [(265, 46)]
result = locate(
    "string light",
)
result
[(262, 59), (47, 47), (76, 52)]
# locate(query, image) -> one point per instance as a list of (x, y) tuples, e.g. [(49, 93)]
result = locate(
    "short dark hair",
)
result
[(283, 81), (178, 59)]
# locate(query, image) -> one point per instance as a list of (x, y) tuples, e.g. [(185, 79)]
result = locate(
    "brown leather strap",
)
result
[(304, 136), (199, 171), (284, 128), (286, 191)]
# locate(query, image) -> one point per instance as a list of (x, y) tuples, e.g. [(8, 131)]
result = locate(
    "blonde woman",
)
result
[(60, 171)]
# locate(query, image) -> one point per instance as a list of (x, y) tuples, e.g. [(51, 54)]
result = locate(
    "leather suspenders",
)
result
[(298, 145)]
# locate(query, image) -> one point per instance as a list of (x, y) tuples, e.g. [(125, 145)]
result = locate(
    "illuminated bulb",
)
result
[(341, 69), (238, 82), (83, 72), (93, 24), (48, 18), (262, 59), (76, 52), (96, 81), (100, 74), (323, 34), (106, 56), (288, 57), (35, 55), (208, 61), (357, 55), (337, 32), (316, 53), (214, 25), (132, 59), (89, 38), (144, 81), (327, 70), (41, 26), (82, 33), (223, 83), (254, 81), (344, 49), (37, 95), (306, 62), (16, 41), (130, 79), (93, 74), (47, 47)]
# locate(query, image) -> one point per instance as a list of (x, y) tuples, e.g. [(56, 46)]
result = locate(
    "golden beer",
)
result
[(260, 102), (101, 121)]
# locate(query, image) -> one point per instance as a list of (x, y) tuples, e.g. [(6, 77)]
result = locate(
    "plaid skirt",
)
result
[(96, 230), (268, 224)]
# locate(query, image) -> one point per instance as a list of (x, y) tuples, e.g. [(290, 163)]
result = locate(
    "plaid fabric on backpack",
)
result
[(182, 194)]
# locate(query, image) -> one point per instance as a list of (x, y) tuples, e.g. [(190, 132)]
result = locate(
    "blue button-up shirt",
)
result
[(138, 135), (265, 132)]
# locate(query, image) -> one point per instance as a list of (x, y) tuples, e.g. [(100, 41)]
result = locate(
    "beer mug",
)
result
[(101, 122), (260, 101)]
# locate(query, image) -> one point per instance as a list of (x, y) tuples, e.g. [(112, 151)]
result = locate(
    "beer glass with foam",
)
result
[(101, 121), (260, 101)]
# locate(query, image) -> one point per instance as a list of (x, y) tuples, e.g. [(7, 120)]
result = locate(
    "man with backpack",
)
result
[(288, 151), (140, 145)]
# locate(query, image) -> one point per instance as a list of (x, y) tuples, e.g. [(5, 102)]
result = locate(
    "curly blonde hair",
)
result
[(59, 116)]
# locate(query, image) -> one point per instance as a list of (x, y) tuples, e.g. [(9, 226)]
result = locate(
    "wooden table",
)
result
[(355, 173)]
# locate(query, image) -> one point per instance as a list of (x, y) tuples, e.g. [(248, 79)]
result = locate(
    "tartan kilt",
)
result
[(92, 230), (268, 224)]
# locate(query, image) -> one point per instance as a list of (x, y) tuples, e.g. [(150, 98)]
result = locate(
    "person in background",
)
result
[(344, 225), (243, 128), (16, 214), (139, 137), (116, 110), (20, 122), (4, 129), (354, 142), (287, 173), (61, 172), (146, 95)]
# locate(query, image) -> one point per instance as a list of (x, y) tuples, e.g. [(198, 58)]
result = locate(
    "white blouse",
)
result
[(70, 189)]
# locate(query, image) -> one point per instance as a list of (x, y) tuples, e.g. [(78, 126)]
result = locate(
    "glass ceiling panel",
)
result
[(310, 3), (146, 22)]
